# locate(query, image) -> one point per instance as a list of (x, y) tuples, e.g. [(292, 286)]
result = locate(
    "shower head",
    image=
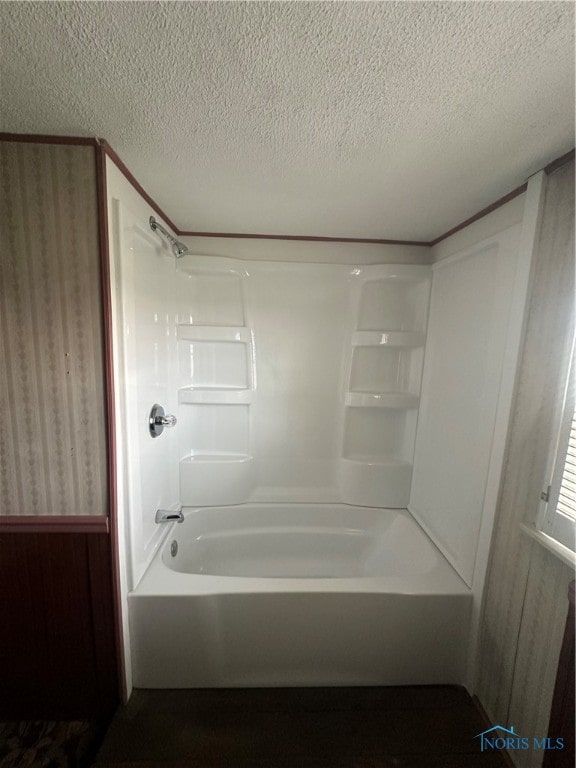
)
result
[(178, 248)]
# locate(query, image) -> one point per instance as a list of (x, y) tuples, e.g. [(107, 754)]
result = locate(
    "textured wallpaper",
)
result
[(527, 586), (53, 447)]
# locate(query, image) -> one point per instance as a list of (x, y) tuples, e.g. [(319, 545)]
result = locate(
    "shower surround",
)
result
[(305, 380), (297, 382)]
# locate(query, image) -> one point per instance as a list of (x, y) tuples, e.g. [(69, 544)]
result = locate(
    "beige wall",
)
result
[(53, 449), (526, 594)]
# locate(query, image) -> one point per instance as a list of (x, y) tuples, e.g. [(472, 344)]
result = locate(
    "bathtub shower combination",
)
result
[(282, 594), (331, 458)]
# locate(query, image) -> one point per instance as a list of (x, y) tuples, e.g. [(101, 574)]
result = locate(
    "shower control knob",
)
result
[(158, 420), (165, 421)]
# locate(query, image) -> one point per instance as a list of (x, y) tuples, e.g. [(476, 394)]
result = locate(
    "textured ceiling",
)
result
[(362, 119)]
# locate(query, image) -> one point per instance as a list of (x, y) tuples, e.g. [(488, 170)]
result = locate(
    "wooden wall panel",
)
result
[(57, 657), (53, 452), (525, 604)]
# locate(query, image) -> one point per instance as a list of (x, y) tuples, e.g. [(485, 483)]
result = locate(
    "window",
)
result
[(558, 518)]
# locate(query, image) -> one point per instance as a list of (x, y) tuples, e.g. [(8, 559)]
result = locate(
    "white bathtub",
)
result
[(295, 595)]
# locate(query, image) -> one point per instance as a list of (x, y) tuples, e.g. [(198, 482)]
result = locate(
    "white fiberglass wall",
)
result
[(298, 382), (464, 362), (143, 351), (477, 309)]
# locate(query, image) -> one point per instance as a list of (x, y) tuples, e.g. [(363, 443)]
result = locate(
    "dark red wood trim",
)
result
[(236, 235), (305, 238), (484, 212), (506, 759), (107, 149), (560, 161), (319, 239), (41, 138), (102, 196), (185, 233), (54, 524)]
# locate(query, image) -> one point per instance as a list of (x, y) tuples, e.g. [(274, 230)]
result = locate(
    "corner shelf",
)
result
[(388, 338), (216, 457), (394, 299), (215, 479), (214, 396), (375, 481), (381, 400), (376, 461)]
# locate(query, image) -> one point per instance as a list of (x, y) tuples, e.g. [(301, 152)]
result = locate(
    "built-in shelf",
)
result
[(222, 458), (239, 333), (214, 396), (380, 461), (214, 479), (382, 397), (381, 400), (388, 339), (375, 481), (393, 272), (394, 302)]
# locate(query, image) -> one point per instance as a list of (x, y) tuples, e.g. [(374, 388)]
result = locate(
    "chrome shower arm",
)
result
[(178, 248), (154, 225)]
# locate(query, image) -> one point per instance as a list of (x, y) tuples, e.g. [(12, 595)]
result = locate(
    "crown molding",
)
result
[(116, 159)]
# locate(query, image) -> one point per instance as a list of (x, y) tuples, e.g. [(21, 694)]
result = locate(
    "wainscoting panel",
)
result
[(57, 658)]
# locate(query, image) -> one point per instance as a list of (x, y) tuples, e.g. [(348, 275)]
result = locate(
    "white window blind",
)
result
[(558, 518), (567, 495)]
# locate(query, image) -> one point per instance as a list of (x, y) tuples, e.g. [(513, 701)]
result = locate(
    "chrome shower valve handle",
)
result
[(158, 420), (165, 421)]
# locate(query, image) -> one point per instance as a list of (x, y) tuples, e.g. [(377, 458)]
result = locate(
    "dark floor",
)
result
[(50, 744), (408, 727)]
